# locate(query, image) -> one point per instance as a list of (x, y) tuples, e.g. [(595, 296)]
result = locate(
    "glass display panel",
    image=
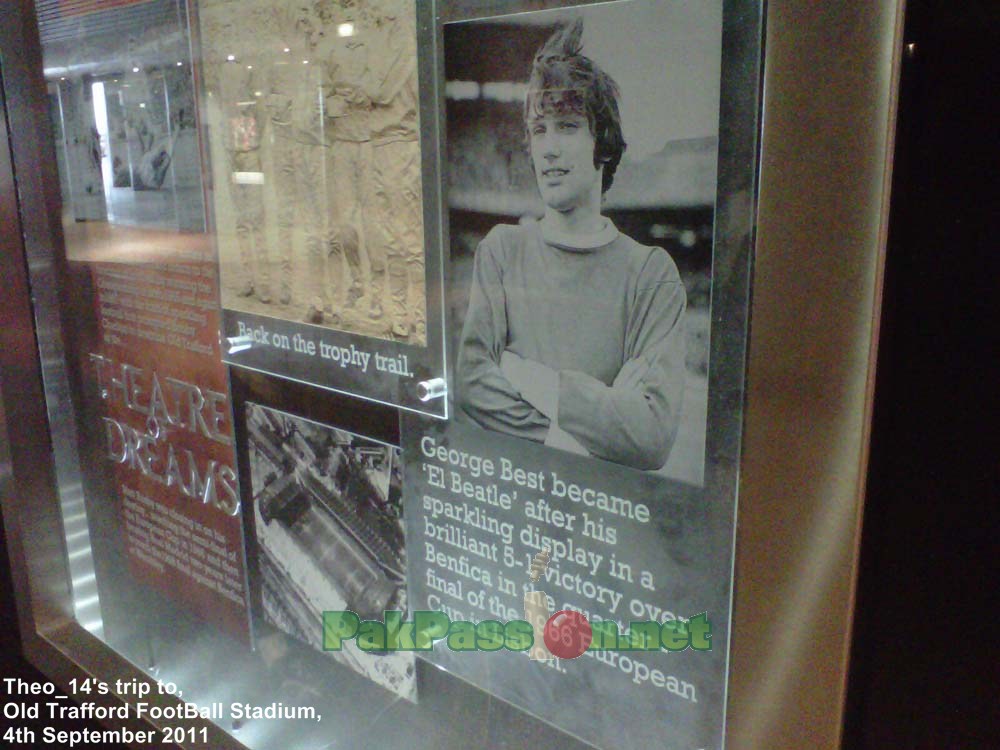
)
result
[(586, 483), (313, 122), (157, 461), (408, 368)]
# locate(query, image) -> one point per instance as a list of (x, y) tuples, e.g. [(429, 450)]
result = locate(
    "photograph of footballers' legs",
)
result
[(312, 119)]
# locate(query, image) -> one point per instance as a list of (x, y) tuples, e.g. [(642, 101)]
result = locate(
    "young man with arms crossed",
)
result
[(574, 335)]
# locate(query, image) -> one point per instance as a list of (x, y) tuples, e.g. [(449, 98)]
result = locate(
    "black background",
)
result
[(924, 661)]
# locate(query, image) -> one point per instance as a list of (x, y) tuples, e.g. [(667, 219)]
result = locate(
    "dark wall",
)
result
[(925, 657)]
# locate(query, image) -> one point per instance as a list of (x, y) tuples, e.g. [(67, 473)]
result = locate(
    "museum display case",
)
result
[(379, 371)]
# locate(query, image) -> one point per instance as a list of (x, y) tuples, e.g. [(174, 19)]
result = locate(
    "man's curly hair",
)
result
[(564, 81)]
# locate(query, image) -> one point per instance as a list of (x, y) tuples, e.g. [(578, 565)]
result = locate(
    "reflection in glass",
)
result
[(126, 112)]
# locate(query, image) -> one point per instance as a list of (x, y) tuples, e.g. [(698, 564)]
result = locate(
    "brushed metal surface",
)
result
[(830, 78)]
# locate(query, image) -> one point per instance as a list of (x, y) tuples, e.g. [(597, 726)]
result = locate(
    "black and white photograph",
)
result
[(329, 529), (581, 180)]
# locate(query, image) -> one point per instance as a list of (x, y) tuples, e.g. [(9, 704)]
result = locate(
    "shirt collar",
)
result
[(581, 243)]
